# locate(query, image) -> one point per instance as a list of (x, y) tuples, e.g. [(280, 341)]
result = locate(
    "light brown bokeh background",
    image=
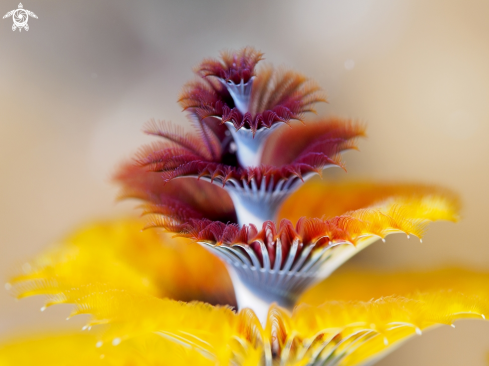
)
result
[(76, 89)]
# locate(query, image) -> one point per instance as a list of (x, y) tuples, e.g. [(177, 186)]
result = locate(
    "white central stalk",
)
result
[(250, 148), (248, 297), (254, 210)]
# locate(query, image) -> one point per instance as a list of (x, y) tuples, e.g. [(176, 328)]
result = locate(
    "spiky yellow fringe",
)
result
[(364, 200), (127, 315), (357, 284), (352, 332), (119, 254), (348, 332)]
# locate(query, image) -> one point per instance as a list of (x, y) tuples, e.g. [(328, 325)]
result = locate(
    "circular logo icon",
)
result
[(20, 18)]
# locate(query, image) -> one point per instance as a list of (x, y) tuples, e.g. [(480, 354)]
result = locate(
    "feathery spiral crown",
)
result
[(243, 162), (229, 188)]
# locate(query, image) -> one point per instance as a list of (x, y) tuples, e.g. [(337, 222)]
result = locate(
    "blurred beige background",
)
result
[(76, 89)]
